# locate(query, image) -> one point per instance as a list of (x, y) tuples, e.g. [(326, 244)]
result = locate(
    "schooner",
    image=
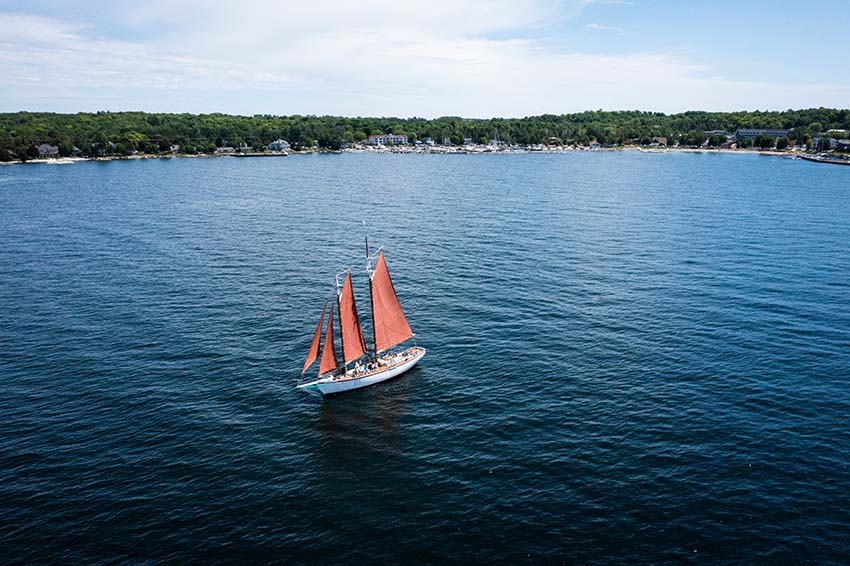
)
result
[(389, 329)]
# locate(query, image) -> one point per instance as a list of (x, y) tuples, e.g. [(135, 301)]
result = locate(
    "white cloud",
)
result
[(602, 27), (375, 57), (607, 2)]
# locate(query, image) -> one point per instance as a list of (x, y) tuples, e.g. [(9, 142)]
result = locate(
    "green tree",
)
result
[(695, 138), (764, 141), (782, 143)]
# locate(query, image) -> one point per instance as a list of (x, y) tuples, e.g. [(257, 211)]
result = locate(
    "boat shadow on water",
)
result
[(353, 428)]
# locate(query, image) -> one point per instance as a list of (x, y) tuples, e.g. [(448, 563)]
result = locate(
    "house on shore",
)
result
[(48, 151), (824, 142), (279, 145), (752, 134), (387, 139), (100, 150)]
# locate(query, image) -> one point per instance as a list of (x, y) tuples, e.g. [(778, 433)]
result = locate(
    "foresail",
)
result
[(353, 345), (391, 325), (314, 346), (328, 361)]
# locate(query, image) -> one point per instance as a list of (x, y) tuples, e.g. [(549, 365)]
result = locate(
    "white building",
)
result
[(279, 145), (387, 139)]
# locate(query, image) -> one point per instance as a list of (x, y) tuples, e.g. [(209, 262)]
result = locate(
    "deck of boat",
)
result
[(393, 361)]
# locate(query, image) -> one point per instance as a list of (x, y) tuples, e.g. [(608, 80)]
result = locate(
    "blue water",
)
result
[(632, 358)]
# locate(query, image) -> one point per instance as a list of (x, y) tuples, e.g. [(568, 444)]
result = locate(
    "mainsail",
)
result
[(353, 345), (314, 346), (390, 323), (328, 362)]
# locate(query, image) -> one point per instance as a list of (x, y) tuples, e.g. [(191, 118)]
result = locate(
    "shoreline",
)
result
[(438, 150)]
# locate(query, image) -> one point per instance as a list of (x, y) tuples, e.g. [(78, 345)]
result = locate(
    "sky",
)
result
[(426, 58)]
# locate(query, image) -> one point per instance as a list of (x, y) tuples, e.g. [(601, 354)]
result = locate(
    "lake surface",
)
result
[(631, 358)]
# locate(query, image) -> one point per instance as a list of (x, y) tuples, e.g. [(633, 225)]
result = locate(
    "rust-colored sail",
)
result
[(314, 346), (353, 345), (390, 323), (328, 362)]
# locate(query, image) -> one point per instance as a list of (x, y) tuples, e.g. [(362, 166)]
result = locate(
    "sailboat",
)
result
[(389, 330)]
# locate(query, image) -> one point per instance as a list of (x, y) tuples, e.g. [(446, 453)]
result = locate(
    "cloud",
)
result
[(601, 27), (376, 57), (607, 2)]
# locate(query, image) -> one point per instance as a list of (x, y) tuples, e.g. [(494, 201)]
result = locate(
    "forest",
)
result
[(119, 133)]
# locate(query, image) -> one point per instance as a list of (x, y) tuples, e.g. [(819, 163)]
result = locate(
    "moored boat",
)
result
[(389, 329)]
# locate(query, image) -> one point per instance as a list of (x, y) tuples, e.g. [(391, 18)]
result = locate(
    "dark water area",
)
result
[(632, 358)]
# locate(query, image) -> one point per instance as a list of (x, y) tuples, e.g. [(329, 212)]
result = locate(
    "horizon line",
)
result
[(414, 117)]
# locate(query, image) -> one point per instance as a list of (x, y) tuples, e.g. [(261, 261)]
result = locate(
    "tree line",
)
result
[(117, 133)]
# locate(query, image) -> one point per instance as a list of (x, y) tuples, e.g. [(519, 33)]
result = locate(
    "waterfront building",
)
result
[(47, 150), (823, 142), (279, 145), (387, 139), (754, 133)]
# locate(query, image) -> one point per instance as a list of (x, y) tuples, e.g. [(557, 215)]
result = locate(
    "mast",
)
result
[(374, 336), (371, 302), (353, 345), (341, 333), (367, 245)]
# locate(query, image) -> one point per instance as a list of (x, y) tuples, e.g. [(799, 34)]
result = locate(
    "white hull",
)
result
[(330, 385)]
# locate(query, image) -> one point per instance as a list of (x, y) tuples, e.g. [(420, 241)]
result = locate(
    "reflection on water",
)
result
[(367, 420)]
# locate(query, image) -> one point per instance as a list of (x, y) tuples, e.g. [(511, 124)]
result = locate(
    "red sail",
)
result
[(328, 362), (353, 345), (391, 326), (314, 346)]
